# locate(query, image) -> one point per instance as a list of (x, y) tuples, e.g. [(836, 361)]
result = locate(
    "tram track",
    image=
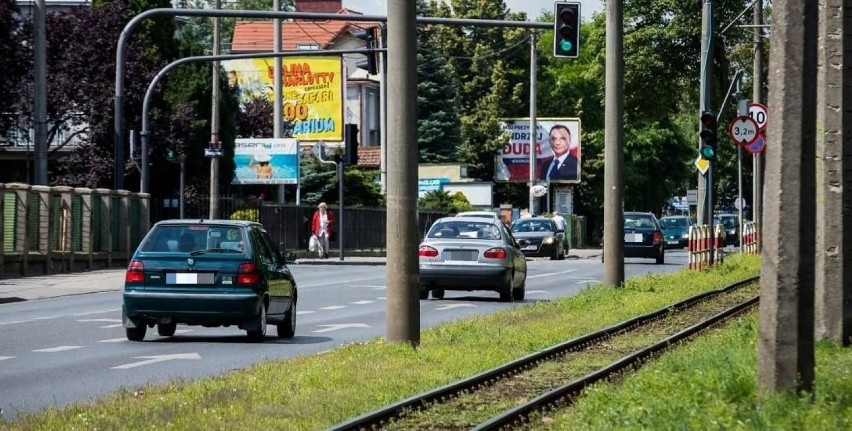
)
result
[(506, 397)]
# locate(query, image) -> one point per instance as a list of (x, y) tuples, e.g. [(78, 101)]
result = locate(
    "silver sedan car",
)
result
[(471, 253)]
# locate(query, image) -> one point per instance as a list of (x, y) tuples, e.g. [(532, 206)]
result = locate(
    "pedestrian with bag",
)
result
[(322, 227)]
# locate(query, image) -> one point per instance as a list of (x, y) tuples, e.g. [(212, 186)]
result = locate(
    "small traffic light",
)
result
[(708, 135), (171, 154), (350, 137), (369, 38), (566, 29)]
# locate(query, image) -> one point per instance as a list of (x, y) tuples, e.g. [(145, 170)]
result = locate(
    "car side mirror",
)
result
[(289, 257), (560, 230)]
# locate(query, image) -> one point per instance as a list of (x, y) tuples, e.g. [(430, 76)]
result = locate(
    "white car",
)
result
[(483, 214)]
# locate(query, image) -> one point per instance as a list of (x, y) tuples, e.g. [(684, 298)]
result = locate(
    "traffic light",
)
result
[(350, 138), (566, 29), (171, 154), (708, 135), (369, 38)]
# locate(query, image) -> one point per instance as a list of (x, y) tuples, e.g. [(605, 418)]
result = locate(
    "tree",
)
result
[(438, 113), (320, 184), (442, 201), (13, 68)]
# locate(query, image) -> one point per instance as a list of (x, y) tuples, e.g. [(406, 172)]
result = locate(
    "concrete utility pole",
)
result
[(533, 124), (757, 97), (705, 180), (834, 158), (214, 123), (786, 332), (614, 147), (40, 93), (403, 272)]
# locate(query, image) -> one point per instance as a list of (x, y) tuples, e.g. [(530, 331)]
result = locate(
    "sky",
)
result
[(533, 8)]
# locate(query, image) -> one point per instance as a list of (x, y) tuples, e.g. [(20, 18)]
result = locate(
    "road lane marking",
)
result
[(329, 328), (60, 316), (3, 358), (333, 307), (100, 320), (533, 292), (113, 340), (551, 274), (363, 302), (330, 283), (58, 349), (372, 286), (451, 306), (155, 359), (88, 313), (117, 325), (300, 312)]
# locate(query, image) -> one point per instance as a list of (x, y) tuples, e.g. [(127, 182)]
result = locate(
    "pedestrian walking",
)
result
[(322, 227)]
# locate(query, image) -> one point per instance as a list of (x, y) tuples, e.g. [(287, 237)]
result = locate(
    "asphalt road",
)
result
[(69, 349)]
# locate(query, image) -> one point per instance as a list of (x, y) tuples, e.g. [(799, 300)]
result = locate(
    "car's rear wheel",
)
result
[(166, 329), (519, 292), (258, 335), (506, 292), (438, 293), (424, 293), (137, 333), (287, 328), (661, 259)]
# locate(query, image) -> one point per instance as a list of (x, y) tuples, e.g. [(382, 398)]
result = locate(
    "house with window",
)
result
[(362, 92)]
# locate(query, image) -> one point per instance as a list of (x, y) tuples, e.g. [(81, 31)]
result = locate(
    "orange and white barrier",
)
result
[(749, 239), (703, 239)]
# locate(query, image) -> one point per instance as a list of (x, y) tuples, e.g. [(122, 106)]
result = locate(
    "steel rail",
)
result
[(383, 415), (563, 395)]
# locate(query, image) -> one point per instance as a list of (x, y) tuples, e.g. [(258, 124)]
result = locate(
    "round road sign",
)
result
[(743, 130), (759, 114)]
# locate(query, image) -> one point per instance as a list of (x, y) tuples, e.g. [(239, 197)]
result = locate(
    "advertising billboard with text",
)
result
[(558, 155)]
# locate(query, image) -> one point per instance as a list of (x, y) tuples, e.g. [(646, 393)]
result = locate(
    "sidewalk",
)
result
[(105, 280)]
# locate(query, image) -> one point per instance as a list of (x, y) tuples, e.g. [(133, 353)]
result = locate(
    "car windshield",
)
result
[(521, 226), (639, 221), (730, 222), (194, 238), (480, 214), (464, 229), (673, 222)]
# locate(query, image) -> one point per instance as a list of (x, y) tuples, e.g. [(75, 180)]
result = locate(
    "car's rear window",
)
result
[(673, 222), (189, 238), (532, 226), (639, 221), (460, 229)]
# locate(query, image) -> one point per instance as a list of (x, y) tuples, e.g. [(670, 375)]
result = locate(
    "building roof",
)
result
[(369, 157), (257, 36)]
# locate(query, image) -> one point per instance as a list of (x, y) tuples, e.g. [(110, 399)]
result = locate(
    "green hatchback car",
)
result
[(209, 273)]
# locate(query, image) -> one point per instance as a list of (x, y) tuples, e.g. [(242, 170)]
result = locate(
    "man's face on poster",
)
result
[(560, 141)]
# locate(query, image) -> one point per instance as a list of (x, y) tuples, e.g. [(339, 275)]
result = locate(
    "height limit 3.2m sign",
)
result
[(743, 130)]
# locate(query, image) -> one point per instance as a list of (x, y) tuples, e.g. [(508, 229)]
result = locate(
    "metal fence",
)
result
[(289, 224)]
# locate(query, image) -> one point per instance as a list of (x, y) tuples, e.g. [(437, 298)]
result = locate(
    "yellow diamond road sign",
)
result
[(702, 164)]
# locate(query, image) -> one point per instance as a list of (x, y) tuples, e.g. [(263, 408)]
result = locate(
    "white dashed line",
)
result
[(3, 358), (333, 307), (363, 302), (551, 274), (100, 320), (117, 325), (113, 340), (58, 349), (299, 313)]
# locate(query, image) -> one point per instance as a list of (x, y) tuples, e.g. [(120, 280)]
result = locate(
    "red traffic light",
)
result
[(708, 119)]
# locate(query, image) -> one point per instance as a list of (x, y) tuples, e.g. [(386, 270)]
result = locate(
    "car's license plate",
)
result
[(531, 247), (461, 255), (189, 278), (674, 241), (633, 237)]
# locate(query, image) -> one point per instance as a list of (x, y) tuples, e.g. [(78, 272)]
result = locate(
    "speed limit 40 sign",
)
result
[(759, 114)]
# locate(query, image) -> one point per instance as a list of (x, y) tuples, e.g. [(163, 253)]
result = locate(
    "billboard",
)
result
[(312, 90), (558, 152), (266, 161)]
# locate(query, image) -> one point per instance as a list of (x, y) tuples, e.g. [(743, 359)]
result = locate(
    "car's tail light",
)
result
[(135, 272), (247, 273), (658, 237), (495, 253), (426, 251)]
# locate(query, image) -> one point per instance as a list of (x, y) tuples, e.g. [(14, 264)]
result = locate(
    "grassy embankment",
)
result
[(317, 391)]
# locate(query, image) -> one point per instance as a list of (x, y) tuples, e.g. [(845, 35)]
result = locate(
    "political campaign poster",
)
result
[(312, 92), (558, 152), (266, 161)]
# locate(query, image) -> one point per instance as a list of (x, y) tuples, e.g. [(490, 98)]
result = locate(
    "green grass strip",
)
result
[(711, 384), (318, 391)]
